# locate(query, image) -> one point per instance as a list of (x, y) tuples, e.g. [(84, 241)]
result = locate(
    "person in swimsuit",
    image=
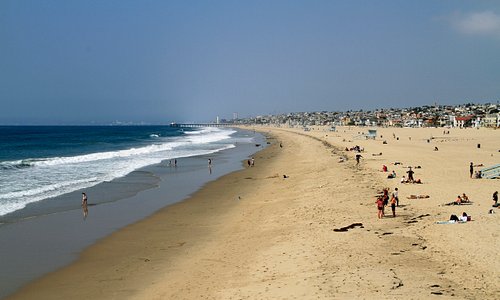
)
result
[(380, 207)]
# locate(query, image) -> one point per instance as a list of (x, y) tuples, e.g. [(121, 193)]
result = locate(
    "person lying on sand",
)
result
[(456, 219)]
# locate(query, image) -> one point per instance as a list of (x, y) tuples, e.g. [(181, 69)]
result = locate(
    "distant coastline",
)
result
[(458, 116)]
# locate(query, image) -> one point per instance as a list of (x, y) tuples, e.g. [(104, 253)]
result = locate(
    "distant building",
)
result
[(462, 122), (491, 120)]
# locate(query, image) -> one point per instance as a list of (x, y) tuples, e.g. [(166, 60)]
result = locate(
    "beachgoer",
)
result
[(252, 161), (458, 201), (393, 207), (281, 145), (85, 208), (465, 198), (471, 169), (384, 168), (403, 179), (175, 162), (395, 196), (495, 199), (249, 162), (385, 198), (380, 207), (358, 157), (436, 149), (209, 162), (410, 174), (84, 199)]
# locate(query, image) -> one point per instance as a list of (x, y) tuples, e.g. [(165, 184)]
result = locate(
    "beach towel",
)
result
[(450, 222)]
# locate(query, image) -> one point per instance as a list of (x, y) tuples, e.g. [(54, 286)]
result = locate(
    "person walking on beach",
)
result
[(209, 162), (471, 169), (358, 157), (495, 199), (252, 162)]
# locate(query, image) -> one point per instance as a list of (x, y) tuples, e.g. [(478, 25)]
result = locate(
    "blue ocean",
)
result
[(40, 162)]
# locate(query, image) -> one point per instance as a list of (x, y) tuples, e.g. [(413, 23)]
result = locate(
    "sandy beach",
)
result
[(272, 231)]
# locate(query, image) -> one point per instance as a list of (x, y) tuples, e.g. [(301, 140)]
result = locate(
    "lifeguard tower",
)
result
[(372, 134)]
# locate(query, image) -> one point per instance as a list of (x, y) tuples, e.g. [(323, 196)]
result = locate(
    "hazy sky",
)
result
[(78, 62)]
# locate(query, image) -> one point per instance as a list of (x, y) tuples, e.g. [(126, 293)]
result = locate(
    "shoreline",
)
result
[(256, 234), (38, 244)]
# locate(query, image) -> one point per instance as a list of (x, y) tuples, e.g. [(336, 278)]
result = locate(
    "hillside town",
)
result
[(459, 116)]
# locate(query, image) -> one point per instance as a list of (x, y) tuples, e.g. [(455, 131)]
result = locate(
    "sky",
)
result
[(97, 62)]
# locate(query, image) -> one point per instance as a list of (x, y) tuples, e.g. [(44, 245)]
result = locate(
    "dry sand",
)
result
[(254, 234)]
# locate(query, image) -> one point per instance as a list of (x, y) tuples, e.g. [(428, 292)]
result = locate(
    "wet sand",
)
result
[(254, 234)]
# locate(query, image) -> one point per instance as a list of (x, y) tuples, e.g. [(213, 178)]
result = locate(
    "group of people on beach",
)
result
[(410, 178), (461, 199), (384, 199)]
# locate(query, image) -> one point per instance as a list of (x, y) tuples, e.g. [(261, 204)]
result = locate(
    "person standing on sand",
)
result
[(84, 206), (84, 199), (395, 196), (495, 199), (393, 207), (471, 169), (380, 207), (410, 175)]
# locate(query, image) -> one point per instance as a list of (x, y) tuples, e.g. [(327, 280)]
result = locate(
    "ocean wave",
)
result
[(209, 136), (32, 180), (17, 164), (46, 189)]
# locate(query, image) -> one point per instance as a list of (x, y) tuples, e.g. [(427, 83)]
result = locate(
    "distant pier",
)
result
[(195, 125)]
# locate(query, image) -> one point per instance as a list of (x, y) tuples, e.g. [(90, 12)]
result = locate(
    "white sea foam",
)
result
[(31, 180)]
